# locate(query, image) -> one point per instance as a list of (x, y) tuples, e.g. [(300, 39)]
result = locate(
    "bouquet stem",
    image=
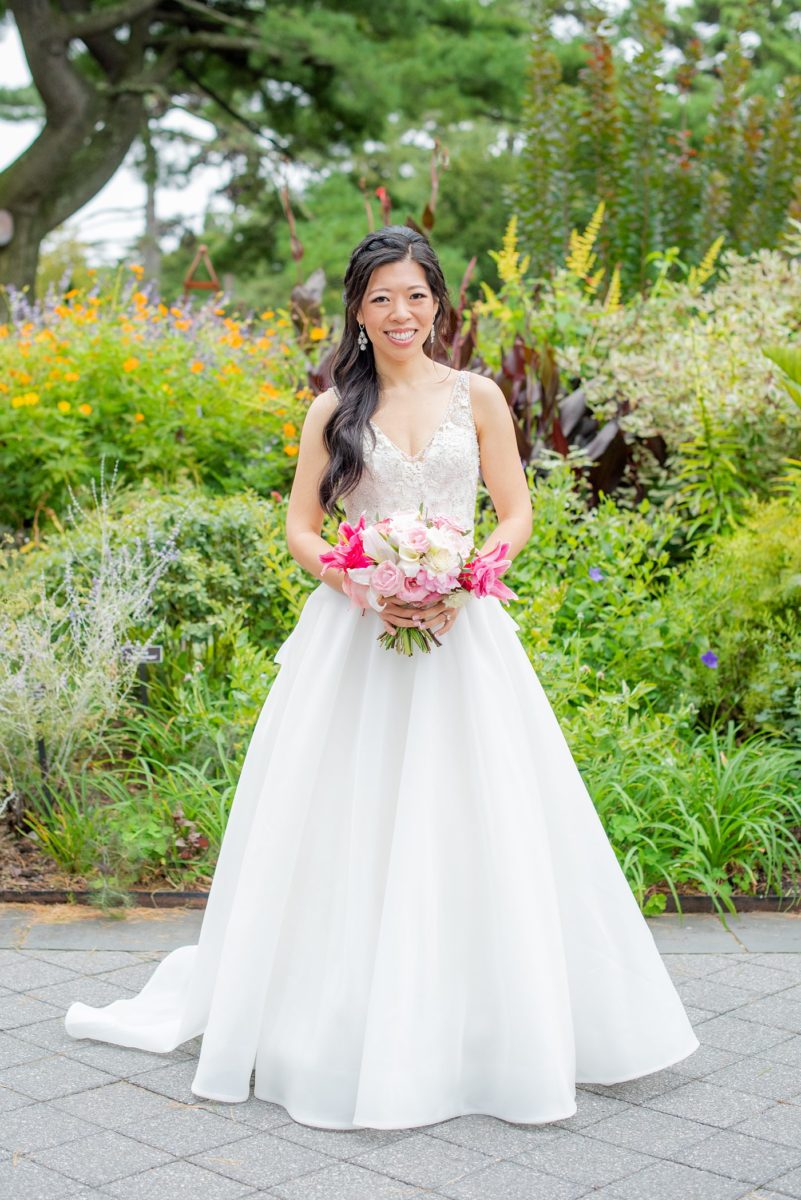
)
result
[(404, 640)]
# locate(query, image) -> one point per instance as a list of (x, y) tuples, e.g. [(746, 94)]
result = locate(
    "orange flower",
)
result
[(64, 406), (26, 399), (197, 367), (136, 270), (267, 315), (289, 430), (317, 333), (139, 299), (72, 292), (130, 364), (85, 409), (71, 376), (183, 325), (291, 451), (139, 416)]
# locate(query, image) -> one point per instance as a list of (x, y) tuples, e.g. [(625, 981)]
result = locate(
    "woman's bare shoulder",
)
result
[(322, 406), (488, 401)]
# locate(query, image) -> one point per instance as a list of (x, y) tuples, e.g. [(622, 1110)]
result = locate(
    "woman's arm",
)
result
[(501, 468), (305, 516)]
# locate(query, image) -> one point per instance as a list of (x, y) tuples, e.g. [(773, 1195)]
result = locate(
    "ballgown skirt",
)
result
[(416, 913)]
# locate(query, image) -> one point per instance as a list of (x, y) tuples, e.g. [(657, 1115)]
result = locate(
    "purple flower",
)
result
[(709, 658), (595, 573)]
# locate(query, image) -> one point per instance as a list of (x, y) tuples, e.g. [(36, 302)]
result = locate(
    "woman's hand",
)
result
[(438, 617)]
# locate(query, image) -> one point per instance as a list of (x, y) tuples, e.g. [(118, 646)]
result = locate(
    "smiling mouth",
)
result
[(400, 336)]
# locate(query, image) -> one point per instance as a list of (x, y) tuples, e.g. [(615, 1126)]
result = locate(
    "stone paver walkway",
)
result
[(83, 1119)]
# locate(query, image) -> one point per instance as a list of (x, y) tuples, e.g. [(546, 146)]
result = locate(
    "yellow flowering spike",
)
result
[(698, 276), (581, 257), (130, 364), (612, 302)]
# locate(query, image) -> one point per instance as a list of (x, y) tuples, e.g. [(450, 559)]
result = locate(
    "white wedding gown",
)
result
[(416, 913)]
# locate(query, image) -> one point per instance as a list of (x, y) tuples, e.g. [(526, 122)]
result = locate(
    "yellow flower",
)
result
[(177, 312), (282, 322), (139, 299), (183, 325), (26, 399), (130, 364), (137, 270), (279, 411), (291, 451), (72, 292), (85, 409), (267, 315), (139, 416), (71, 376), (165, 387), (317, 333), (64, 406), (3, 387), (197, 367), (289, 430), (3, 331)]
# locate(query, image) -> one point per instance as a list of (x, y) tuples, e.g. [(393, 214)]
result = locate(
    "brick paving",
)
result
[(83, 1119)]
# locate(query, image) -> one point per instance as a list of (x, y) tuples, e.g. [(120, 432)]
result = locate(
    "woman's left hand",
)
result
[(438, 617)]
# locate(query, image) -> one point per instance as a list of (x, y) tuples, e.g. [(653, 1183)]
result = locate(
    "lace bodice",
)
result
[(443, 476)]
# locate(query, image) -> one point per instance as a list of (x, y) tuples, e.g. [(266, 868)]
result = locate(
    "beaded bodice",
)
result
[(443, 476)]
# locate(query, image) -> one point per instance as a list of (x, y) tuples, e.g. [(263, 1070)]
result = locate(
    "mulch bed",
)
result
[(29, 876)]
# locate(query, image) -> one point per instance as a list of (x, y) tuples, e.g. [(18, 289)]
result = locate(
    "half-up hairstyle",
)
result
[(353, 370)]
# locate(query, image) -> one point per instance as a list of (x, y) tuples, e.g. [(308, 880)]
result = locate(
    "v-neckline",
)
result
[(420, 453)]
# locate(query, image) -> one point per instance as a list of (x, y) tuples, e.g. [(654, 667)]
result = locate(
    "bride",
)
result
[(416, 913)]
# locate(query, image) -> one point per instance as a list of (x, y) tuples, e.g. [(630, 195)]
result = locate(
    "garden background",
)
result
[(615, 193)]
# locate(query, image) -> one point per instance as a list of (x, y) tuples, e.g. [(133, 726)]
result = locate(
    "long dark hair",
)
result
[(353, 370)]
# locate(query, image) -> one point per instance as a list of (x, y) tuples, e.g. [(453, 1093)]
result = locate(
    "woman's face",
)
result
[(398, 309)]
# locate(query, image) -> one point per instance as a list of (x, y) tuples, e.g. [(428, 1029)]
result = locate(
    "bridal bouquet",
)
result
[(418, 560)]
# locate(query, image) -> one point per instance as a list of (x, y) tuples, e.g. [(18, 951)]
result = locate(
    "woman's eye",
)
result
[(414, 296)]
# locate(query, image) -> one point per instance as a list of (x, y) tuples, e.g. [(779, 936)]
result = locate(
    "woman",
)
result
[(416, 913)]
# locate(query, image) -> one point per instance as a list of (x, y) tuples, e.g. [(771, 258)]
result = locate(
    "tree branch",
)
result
[(65, 94), (203, 10), (83, 25)]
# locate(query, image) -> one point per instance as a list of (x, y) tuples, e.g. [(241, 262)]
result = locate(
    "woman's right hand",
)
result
[(404, 613)]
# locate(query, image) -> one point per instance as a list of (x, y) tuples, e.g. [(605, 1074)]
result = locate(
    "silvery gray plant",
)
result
[(67, 663)]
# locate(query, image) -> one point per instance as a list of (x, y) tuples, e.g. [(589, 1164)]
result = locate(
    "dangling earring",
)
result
[(362, 339), (433, 334)]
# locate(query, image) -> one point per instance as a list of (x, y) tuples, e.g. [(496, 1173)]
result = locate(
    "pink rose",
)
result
[(417, 539), (387, 579)]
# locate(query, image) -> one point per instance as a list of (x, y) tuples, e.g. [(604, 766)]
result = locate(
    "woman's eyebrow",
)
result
[(409, 288)]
